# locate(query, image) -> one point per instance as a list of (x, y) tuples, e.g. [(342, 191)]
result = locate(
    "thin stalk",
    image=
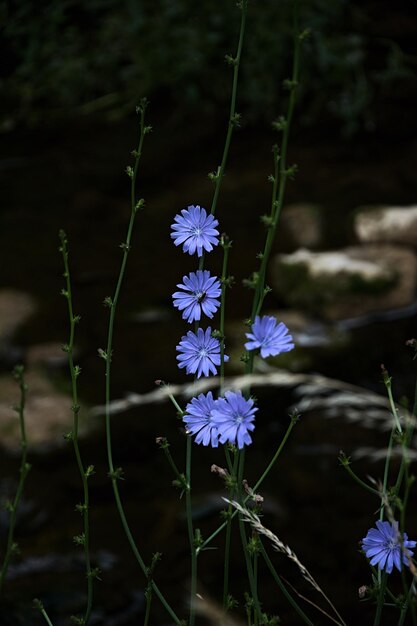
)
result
[(188, 503), (45, 616), (226, 244), (406, 605), (386, 472), (404, 460), (228, 523), (283, 588), (278, 196), (274, 459), (360, 482), (242, 529), (148, 606), (227, 557), (233, 117), (381, 596), (24, 469), (179, 477), (116, 474), (256, 487), (148, 591), (84, 508)]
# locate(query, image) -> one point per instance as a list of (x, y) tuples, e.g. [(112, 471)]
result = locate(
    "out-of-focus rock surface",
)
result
[(346, 283)]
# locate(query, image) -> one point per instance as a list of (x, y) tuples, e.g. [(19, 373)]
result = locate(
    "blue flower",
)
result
[(199, 421), (200, 293), (199, 352), (196, 230), (270, 337), (234, 416), (383, 546)]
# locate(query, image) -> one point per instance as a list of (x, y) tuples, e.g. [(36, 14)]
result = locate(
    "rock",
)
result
[(303, 223), (397, 224), (15, 308), (346, 283), (48, 414)]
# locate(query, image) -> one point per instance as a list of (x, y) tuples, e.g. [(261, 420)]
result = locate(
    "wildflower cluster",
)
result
[(229, 419)]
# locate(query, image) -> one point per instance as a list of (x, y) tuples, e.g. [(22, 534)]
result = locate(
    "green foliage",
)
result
[(69, 58)]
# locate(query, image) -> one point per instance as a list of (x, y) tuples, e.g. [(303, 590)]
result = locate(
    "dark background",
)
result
[(71, 76)]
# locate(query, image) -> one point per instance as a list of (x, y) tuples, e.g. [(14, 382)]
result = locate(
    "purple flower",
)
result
[(383, 546), (196, 230), (199, 422), (199, 352), (234, 416), (200, 293), (270, 337)]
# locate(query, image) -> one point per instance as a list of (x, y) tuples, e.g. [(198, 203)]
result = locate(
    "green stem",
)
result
[(112, 303), (257, 484), (232, 114), (406, 605), (45, 616), (278, 195), (148, 606), (226, 244), (23, 472), (228, 523), (274, 459), (188, 503), (360, 482), (386, 471), (283, 588), (242, 529), (381, 596), (74, 373), (178, 475), (227, 557)]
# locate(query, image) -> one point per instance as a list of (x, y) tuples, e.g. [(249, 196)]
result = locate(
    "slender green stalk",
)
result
[(394, 411), (191, 538), (257, 484), (115, 474), (233, 116), (381, 596), (37, 604), (148, 591), (24, 469), (386, 471), (242, 530), (73, 436), (226, 244), (294, 419), (279, 190), (180, 478), (283, 588), (231, 492), (358, 480), (406, 605), (148, 606), (227, 557)]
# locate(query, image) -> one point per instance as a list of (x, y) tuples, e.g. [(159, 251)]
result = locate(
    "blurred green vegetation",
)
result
[(66, 58)]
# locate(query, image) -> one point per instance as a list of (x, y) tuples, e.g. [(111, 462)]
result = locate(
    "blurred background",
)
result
[(343, 275)]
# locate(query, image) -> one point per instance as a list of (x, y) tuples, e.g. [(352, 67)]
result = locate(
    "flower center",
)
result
[(200, 295), (391, 544), (196, 231)]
